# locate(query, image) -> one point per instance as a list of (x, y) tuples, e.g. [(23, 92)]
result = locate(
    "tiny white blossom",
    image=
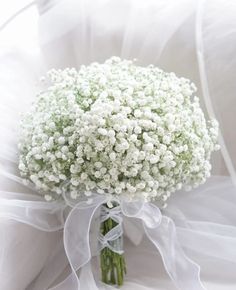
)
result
[(116, 129), (48, 197)]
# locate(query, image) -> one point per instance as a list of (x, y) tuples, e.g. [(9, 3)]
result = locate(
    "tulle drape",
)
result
[(195, 39)]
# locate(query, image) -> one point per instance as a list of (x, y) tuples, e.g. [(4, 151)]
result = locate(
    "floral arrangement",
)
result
[(120, 130)]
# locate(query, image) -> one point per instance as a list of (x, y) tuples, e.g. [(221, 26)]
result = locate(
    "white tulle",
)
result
[(195, 39), (159, 229)]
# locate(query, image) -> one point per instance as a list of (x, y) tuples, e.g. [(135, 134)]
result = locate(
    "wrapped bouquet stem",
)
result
[(112, 260), (159, 229), (117, 134)]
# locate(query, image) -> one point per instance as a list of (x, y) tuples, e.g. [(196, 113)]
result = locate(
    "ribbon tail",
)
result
[(76, 244), (39, 214), (183, 271)]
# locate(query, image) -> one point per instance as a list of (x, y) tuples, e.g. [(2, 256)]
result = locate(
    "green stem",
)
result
[(112, 264)]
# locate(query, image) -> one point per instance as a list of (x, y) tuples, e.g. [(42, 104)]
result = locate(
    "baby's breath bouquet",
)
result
[(120, 130)]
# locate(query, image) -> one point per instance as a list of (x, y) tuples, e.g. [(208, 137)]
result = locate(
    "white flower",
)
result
[(48, 197), (61, 140), (112, 156), (102, 131), (148, 147), (116, 129)]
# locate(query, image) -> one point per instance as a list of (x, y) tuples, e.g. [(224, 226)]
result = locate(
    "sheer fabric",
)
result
[(195, 39)]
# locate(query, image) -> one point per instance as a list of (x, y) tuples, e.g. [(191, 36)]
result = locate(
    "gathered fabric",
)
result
[(159, 229)]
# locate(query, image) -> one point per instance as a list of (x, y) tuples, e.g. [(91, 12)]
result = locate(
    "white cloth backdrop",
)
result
[(195, 39)]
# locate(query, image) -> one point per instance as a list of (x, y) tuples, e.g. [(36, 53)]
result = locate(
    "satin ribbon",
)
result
[(159, 229)]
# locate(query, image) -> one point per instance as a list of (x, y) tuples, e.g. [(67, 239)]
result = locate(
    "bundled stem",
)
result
[(112, 264)]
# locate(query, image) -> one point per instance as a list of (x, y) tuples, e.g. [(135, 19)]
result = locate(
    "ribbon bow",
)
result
[(159, 229)]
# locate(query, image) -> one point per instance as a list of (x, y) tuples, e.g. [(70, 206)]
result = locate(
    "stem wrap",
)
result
[(111, 246)]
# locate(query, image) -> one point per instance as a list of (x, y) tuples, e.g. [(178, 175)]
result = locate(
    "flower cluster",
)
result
[(117, 129)]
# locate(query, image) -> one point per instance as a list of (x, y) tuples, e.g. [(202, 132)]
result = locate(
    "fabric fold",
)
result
[(159, 229)]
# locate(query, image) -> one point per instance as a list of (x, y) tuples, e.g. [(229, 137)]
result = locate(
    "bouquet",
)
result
[(118, 130)]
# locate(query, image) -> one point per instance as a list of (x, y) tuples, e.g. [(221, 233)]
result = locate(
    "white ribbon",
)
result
[(159, 229), (113, 238)]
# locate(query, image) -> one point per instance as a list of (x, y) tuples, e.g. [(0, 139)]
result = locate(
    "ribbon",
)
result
[(111, 239), (159, 229)]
